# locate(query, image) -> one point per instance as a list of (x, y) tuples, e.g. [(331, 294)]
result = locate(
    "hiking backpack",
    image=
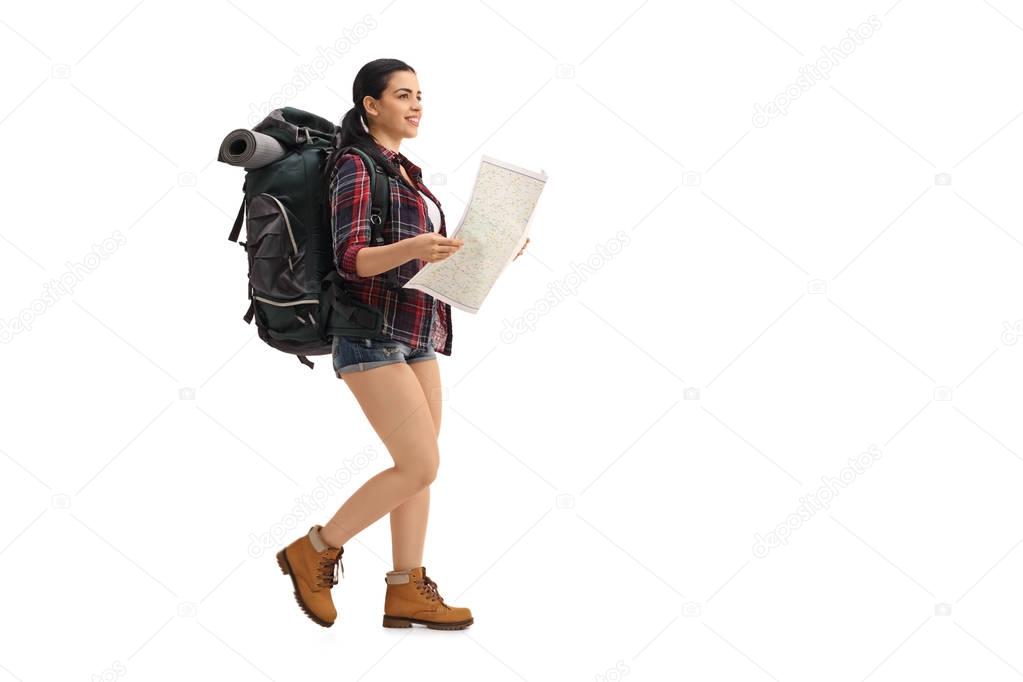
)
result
[(296, 296)]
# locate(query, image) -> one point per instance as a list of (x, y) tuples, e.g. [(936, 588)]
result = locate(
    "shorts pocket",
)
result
[(357, 341)]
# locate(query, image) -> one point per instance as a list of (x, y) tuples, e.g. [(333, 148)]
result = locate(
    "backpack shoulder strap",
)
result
[(381, 206)]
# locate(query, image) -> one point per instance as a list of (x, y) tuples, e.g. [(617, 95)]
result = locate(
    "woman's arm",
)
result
[(351, 199), (372, 260)]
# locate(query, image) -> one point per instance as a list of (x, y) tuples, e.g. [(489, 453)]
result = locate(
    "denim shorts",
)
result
[(355, 354)]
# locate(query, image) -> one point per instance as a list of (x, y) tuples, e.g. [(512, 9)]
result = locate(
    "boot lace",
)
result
[(328, 568), (429, 588)]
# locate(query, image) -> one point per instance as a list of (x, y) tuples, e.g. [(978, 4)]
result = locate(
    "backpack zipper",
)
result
[(278, 304)]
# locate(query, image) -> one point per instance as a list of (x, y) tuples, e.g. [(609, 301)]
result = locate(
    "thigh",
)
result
[(394, 402), (428, 374)]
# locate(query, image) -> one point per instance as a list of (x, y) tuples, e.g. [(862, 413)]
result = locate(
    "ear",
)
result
[(370, 105)]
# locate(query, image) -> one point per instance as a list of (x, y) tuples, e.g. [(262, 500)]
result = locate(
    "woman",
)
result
[(396, 382)]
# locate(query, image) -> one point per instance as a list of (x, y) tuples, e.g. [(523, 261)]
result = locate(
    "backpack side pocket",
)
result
[(275, 262)]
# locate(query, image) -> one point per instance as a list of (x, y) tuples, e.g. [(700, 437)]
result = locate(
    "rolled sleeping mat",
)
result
[(250, 149)]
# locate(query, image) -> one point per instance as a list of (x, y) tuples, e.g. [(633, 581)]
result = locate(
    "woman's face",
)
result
[(399, 110)]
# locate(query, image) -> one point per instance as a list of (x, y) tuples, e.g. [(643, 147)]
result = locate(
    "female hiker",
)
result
[(396, 382)]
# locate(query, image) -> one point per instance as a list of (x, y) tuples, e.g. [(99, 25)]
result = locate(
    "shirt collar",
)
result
[(414, 171)]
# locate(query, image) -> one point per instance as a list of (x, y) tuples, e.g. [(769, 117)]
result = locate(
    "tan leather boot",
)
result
[(313, 574), (412, 597)]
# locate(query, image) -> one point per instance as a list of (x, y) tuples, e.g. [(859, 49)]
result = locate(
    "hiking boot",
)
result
[(412, 597), (313, 573)]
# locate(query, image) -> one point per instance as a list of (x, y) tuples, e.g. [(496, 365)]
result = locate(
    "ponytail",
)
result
[(352, 127)]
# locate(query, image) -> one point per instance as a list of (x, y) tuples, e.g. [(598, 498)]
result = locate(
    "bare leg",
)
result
[(409, 519), (394, 402), (408, 530)]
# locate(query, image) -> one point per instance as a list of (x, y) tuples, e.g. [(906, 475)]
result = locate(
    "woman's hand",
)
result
[(431, 247), (522, 249)]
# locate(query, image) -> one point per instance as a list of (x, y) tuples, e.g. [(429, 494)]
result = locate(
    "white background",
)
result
[(843, 278)]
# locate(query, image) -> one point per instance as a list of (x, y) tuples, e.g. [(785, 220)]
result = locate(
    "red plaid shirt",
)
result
[(410, 316)]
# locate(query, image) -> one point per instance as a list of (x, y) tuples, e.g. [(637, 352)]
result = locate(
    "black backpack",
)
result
[(297, 298)]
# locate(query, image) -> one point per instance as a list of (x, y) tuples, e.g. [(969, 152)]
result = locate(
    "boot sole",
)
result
[(401, 622), (282, 561)]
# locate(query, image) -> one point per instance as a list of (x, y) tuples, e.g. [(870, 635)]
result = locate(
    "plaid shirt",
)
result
[(410, 316)]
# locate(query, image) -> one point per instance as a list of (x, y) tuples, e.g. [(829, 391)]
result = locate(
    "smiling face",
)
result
[(396, 115)]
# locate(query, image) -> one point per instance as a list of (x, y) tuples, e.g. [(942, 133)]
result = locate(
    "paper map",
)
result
[(494, 227)]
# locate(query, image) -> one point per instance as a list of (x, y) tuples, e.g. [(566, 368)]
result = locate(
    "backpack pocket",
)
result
[(295, 321), (275, 263)]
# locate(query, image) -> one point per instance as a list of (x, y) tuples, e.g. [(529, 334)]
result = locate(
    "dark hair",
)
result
[(371, 80)]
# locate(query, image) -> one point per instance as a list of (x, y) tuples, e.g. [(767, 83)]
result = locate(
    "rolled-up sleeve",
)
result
[(350, 202)]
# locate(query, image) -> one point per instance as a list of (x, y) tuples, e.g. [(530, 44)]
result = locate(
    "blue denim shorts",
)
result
[(355, 354)]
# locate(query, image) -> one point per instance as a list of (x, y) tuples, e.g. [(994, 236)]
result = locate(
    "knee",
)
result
[(428, 474), (422, 474)]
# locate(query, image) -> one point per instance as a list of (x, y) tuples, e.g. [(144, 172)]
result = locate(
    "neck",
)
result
[(386, 140)]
